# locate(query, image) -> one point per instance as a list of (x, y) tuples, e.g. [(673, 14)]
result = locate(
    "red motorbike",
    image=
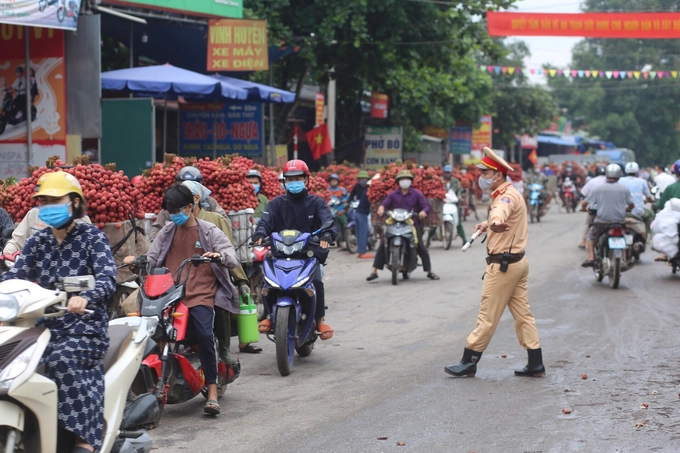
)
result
[(569, 195), (173, 376)]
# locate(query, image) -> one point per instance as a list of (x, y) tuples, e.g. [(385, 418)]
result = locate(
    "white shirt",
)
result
[(663, 180), (592, 184)]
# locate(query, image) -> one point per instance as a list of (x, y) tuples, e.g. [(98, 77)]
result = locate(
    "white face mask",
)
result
[(485, 184), (404, 183)]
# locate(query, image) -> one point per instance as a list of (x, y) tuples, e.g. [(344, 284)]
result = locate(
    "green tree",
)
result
[(518, 107), (640, 114), (421, 53)]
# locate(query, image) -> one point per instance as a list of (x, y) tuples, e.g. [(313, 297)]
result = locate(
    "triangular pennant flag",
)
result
[(645, 75), (559, 72), (616, 74), (504, 69), (652, 74), (482, 67), (587, 73), (497, 69), (519, 70), (636, 74), (630, 74), (539, 71), (566, 74), (552, 72), (608, 74), (601, 74), (574, 72), (532, 70), (674, 74), (595, 73), (489, 68), (623, 74), (661, 74), (511, 70), (580, 73)]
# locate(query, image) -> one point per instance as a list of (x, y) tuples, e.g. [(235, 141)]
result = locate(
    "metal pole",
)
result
[(165, 124), (132, 46), (295, 141), (272, 139), (331, 106), (29, 104), (214, 133)]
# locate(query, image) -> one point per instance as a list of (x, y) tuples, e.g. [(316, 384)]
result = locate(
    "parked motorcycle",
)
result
[(570, 196), (400, 244), (173, 377), (609, 254), (28, 400), (450, 216), (336, 206), (636, 238), (351, 230), (13, 112), (289, 293), (536, 202)]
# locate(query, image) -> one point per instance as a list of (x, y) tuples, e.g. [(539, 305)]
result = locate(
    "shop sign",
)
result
[(481, 136), (237, 45), (460, 140), (41, 13), (379, 105), (217, 8), (382, 146)]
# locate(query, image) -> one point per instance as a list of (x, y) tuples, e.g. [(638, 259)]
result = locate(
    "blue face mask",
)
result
[(55, 215), (295, 186), (257, 188), (180, 218)]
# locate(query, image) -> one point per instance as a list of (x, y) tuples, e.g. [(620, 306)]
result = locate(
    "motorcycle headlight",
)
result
[(16, 367), (9, 307), (271, 282), (302, 282), (151, 324), (298, 246), (289, 249)]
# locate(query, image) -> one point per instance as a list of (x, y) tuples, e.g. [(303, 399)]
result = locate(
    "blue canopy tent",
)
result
[(169, 82), (257, 91)]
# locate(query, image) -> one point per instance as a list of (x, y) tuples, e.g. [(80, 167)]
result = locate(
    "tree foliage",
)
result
[(640, 114), (422, 54)]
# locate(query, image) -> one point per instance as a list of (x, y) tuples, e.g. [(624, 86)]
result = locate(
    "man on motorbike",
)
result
[(412, 200), (535, 176), (586, 190), (208, 286), (360, 193), (74, 358), (640, 192), (298, 210), (186, 174), (451, 183), (255, 178), (662, 179), (338, 193), (610, 202), (469, 184), (573, 177), (672, 190)]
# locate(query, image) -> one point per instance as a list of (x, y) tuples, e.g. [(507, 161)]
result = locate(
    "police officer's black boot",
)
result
[(467, 366), (535, 366)]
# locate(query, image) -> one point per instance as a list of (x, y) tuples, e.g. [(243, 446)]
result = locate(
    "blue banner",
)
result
[(239, 129), (460, 140)]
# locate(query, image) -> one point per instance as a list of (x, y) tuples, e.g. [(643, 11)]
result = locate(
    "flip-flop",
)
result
[(250, 349), (432, 276), (265, 326), (587, 263), (212, 407), (371, 277), (325, 331)]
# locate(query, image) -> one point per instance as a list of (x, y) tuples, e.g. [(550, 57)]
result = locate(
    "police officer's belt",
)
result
[(512, 258)]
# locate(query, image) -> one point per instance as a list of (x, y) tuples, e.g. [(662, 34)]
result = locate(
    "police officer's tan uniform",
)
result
[(504, 288)]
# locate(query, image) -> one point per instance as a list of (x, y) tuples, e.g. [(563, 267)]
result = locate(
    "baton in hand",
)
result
[(474, 236)]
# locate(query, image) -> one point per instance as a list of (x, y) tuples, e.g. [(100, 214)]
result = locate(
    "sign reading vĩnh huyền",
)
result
[(237, 45)]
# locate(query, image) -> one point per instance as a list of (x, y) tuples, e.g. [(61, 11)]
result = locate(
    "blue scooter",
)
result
[(351, 230), (535, 202), (289, 294)]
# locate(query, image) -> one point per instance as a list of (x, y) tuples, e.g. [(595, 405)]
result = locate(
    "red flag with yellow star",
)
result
[(319, 141)]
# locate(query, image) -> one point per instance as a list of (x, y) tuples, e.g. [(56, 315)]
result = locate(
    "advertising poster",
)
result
[(481, 136), (237, 45), (379, 105), (460, 140), (47, 92), (382, 146), (319, 100), (41, 13), (219, 8), (238, 128)]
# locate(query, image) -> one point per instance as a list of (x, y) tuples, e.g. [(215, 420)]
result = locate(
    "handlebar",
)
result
[(59, 307)]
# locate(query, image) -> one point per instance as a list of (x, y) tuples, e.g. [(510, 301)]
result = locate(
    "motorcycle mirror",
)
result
[(327, 225), (79, 283)]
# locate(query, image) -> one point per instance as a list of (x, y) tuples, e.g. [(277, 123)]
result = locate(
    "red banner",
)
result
[(379, 105), (589, 25), (319, 100)]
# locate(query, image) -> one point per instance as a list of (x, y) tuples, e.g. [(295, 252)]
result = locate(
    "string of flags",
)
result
[(580, 73)]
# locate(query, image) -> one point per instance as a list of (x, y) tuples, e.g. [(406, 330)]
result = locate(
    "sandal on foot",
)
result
[(212, 407), (432, 276), (265, 326), (587, 263), (325, 331), (371, 277), (250, 349)]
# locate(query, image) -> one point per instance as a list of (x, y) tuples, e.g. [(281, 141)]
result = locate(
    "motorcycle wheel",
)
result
[(615, 273), (448, 235), (284, 343), (531, 214), (60, 14), (395, 264), (256, 295), (597, 268), (351, 240)]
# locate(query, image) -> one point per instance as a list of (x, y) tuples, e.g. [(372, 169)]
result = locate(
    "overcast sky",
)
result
[(555, 51)]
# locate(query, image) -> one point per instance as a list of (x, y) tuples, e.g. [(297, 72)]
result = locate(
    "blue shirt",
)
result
[(639, 190)]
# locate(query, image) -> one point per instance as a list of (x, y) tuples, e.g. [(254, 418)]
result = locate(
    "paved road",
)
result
[(382, 373)]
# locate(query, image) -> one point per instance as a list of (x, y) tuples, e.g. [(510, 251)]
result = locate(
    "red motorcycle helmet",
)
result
[(295, 167), (136, 180)]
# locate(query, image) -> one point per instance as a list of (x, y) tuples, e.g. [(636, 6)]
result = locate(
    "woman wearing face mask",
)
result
[(410, 199), (74, 358), (255, 178)]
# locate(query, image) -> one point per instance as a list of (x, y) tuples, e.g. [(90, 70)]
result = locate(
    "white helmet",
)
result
[(632, 168)]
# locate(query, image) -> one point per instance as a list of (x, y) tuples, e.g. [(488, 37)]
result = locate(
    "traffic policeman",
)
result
[(507, 272)]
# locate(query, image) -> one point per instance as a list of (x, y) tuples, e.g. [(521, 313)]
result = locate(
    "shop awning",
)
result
[(258, 91), (555, 141), (169, 81)]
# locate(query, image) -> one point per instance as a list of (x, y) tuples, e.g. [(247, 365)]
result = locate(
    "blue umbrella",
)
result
[(169, 81), (256, 91)]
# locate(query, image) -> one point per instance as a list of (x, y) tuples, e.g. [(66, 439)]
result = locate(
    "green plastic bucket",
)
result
[(247, 321)]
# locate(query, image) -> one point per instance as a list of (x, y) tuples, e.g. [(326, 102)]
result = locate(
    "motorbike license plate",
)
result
[(617, 243), (629, 239)]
